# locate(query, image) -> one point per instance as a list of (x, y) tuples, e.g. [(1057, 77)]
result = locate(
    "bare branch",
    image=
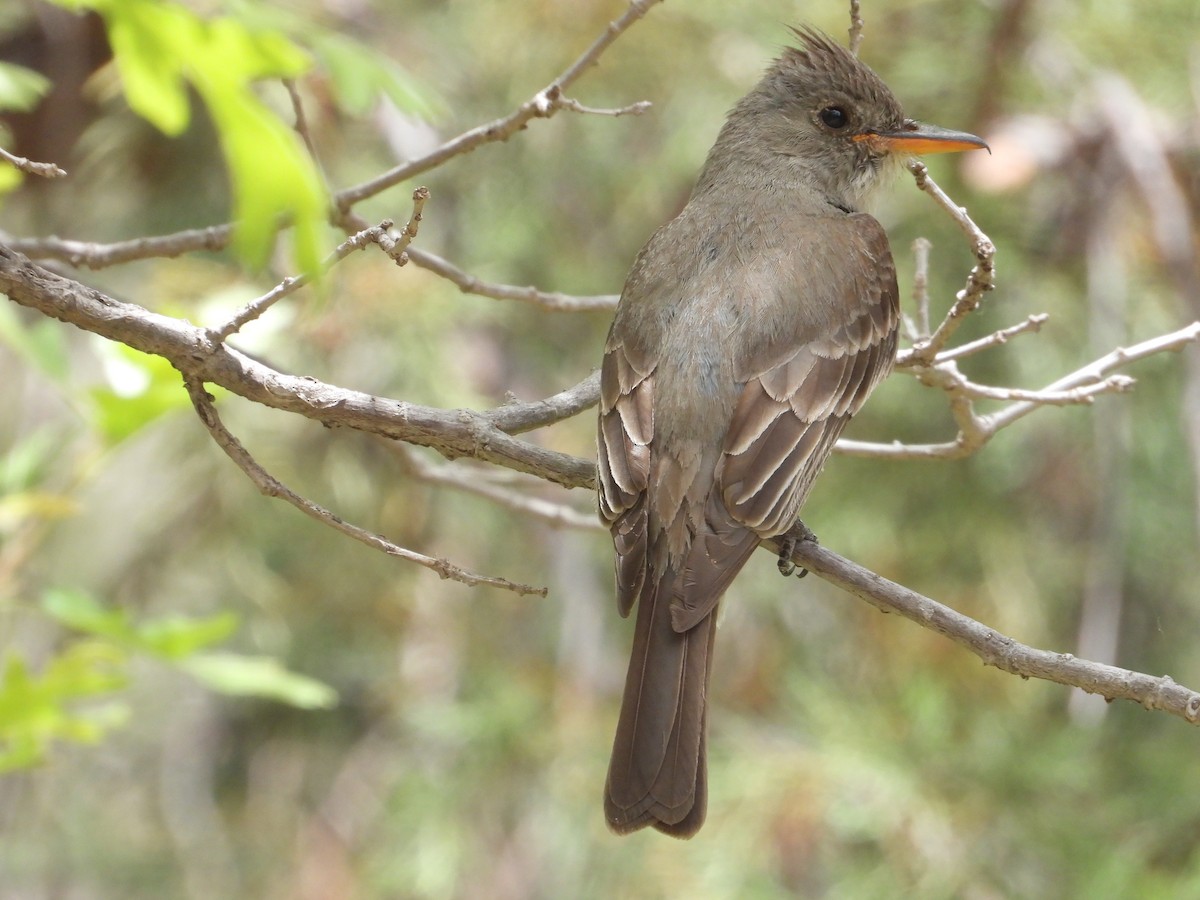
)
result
[(85, 255), (467, 433), (920, 328), (1098, 369), (542, 105), (303, 130), (82, 254), (516, 417), (1032, 324), (633, 109), (994, 648), (469, 284), (301, 126), (948, 378), (976, 430), (856, 26), (396, 249), (255, 308), (486, 436), (981, 279), (471, 481), (453, 433), (1115, 384), (29, 167), (272, 487)]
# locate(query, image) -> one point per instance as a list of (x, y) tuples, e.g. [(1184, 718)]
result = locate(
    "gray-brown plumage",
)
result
[(750, 330)]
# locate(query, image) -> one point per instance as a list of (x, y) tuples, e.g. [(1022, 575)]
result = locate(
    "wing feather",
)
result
[(626, 428), (794, 405)]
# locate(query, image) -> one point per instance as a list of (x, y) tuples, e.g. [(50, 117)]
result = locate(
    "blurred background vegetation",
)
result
[(853, 755)]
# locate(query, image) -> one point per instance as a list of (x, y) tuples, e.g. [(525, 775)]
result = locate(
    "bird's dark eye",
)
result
[(834, 116)]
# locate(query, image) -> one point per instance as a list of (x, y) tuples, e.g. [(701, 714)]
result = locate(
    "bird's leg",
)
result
[(787, 545), (804, 532)]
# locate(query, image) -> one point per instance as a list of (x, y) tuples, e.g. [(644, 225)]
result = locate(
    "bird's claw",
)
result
[(786, 566), (787, 546)]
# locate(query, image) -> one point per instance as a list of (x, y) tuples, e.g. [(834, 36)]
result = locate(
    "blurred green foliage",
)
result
[(160, 47), (36, 710), (853, 755), (21, 88)]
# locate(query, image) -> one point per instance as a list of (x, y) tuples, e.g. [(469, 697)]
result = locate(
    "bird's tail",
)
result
[(657, 775)]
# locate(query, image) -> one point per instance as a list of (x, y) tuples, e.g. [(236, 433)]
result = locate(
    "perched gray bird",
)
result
[(751, 328)]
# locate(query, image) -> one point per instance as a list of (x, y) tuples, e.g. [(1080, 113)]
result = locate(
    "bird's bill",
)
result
[(919, 139)]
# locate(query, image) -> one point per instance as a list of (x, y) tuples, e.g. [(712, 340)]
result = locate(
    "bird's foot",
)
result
[(787, 546)]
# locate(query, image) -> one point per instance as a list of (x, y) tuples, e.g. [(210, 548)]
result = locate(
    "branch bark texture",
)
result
[(453, 433)]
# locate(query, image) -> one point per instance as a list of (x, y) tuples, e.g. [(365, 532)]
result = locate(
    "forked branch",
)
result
[(202, 401)]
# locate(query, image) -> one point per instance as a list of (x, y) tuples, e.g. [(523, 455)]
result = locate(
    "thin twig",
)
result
[(293, 283), (396, 249), (979, 429), (88, 255), (948, 378), (85, 255), (1099, 368), (633, 109), (272, 487), (1031, 324), (921, 247), (28, 166), (469, 284), (980, 281), (302, 129), (541, 105), (994, 648), (470, 481), (301, 125), (856, 26)]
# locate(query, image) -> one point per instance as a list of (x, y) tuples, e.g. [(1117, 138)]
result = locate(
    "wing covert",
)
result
[(792, 409)]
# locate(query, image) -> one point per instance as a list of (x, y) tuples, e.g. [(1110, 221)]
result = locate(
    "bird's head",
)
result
[(836, 121)]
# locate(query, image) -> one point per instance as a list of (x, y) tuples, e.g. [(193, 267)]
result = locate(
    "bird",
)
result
[(750, 329)]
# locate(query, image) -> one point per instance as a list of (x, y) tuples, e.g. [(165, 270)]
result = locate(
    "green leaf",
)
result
[(360, 74), (10, 178), (142, 388), (21, 88), (171, 638), (177, 637), (160, 47), (83, 613), (36, 711), (272, 177), (152, 44), (258, 676)]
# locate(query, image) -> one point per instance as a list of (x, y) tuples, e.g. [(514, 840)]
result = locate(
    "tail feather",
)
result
[(657, 775)]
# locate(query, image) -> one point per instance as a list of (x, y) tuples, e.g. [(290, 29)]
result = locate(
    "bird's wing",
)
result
[(625, 431), (798, 396)]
